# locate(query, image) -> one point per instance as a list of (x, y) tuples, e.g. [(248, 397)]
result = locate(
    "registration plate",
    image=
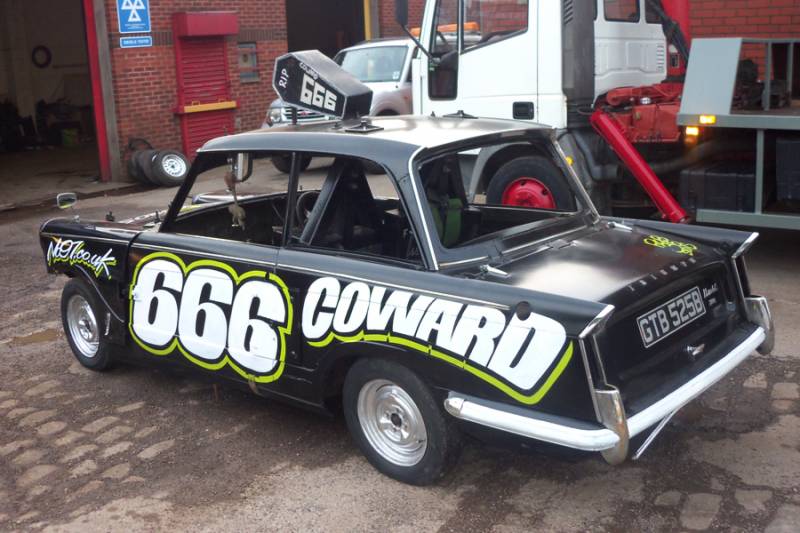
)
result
[(669, 317)]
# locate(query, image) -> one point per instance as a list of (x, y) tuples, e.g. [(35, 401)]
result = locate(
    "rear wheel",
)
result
[(531, 181), (397, 423), (83, 324)]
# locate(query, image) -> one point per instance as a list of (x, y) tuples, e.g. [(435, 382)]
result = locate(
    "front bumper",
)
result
[(613, 439)]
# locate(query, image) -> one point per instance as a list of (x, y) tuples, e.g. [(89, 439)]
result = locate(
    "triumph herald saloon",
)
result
[(415, 310)]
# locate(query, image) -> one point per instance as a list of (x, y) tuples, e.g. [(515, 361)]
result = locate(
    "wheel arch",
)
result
[(341, 357)]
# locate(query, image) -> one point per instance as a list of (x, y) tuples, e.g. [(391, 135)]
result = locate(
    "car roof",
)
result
[(404, 131)]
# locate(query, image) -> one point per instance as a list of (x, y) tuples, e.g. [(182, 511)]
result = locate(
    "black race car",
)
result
[(418, 311)]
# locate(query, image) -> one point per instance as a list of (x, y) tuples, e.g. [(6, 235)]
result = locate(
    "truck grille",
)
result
[(302, 115)]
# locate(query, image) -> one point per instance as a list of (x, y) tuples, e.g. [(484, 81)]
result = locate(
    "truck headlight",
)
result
[(275, 115)]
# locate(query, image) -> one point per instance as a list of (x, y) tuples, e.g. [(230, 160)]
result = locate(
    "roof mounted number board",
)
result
[(310, 80)]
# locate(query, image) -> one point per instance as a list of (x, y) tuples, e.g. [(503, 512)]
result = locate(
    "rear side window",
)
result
[(621, 10)]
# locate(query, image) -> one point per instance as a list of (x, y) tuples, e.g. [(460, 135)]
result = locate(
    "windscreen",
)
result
[(376, 64)]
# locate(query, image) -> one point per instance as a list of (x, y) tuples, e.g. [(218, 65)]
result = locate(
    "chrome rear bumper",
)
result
[(613, 439)]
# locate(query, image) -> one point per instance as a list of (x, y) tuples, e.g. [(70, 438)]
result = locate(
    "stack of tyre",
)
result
[(164, 168)]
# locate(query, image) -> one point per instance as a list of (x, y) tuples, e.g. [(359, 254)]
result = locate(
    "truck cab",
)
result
[(530, 59)]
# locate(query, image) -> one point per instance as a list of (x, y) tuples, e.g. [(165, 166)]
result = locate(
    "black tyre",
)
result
[(530, 181), (284, 163), (84, 323), (169, 168), (397, 423), (134, 171), (144, 161)]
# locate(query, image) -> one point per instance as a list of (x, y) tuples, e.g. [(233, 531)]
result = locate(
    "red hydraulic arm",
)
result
[(608, 129)]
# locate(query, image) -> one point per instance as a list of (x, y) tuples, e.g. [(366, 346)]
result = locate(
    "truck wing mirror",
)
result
[(401, 16), (401, 12)]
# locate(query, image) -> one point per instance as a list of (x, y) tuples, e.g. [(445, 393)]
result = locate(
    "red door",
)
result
[(204, 90)]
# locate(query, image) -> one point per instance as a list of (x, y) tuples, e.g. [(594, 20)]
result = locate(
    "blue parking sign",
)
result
[(133, 16)]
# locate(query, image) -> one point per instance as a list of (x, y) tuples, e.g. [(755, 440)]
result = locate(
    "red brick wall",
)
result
[(144, 78), (388, 26), (751, 18), (754, 18)]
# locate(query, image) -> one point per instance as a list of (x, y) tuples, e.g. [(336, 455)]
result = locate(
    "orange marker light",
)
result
[(708, 119)]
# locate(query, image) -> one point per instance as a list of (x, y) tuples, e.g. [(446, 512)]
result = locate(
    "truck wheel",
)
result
[(531, 181), (83, 325), (284, 163), (397, 424), (169, 167)]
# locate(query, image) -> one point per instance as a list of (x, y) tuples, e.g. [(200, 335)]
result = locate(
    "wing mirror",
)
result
[(401, 17), (241, 166), (401, 12), (65, 200)]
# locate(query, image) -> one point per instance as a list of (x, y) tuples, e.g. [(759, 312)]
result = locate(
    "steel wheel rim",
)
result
[(392, 423), (82, 325), (528, 192), (174, 166)]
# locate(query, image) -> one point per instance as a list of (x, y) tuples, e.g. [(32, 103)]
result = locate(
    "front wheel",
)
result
[(83, 324), (397, 423), (531, 181)]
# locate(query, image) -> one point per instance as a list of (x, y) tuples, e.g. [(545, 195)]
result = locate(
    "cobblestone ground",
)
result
[(141, 449)]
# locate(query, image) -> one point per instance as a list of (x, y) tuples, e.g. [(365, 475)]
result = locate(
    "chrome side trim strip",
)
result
[(589, 378), (693, 388), (580, 439), (745, 245), (411, 161), (597, 321), (464, 261), (549, 238)]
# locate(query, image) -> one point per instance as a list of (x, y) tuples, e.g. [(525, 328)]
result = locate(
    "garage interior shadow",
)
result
[(324, 25)]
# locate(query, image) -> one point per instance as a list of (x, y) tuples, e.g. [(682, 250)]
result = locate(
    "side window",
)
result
[(217, 206), (488, 21), (621, 10), (445, 36), (443, 78), (358, 209)]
